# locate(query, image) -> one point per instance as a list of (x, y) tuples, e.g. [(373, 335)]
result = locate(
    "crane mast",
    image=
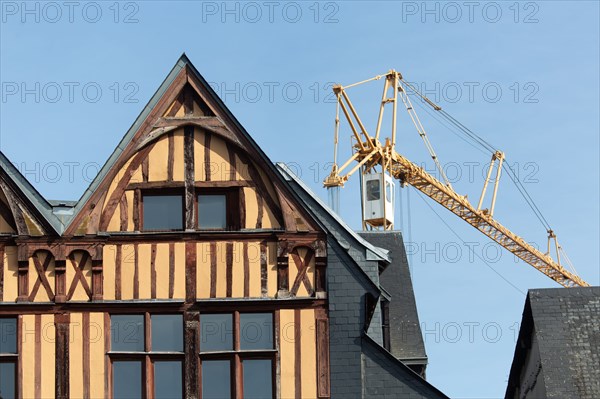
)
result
[(376, 160)]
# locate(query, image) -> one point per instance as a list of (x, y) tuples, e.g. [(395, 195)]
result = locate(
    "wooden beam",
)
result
[(17, 212), (61, 357), (180, 184), (188, 158)]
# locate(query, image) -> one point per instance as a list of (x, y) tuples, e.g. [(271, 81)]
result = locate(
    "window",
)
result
[(237, 349), (132, 354), (8, 357), (212, 211), (373, 190), (216, 209), (385, 324), (162, 212)]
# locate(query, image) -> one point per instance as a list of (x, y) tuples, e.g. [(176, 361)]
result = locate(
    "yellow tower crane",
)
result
[(379, 162)]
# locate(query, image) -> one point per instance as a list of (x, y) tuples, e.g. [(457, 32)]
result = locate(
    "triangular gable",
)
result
[(23, 211), (185, 99)]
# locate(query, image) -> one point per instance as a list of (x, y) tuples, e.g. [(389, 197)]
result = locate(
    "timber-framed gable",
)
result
[(187, 223)]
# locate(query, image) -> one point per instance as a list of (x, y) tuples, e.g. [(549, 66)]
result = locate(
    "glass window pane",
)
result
[(216, 332), (127, 333), (216, 381), (167, 333), (163, 212), (256, 331), (168, 380), (127, 380), (258, 378), (8, 335), (373, 191), (7, 380), (212, 211)]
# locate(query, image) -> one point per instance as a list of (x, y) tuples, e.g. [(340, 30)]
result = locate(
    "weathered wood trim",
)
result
[(282, 270), (97, 283), (277, 338), (136, 272), (213, 270), (1, 272), (171, 156), (302, 267), (188, 100), (232, 161), (242, 207), (139, 306), (153, 271), (176, 105), (61, 343), (191, 342), (23, 280), (60, 280), (137, 209), (19, 392), (190, 271), (197, 184), (79, 277), (207, 165), (145, 169), (188, 158), (123, 213), (171, 270), (37, 350), (322, 332), (107, 365), (17, 212), (41, 279), (298, 353), (246, 270), (264, 255), (229, 268), (262, 191), (7, 215), (85, 328), (118, 271)]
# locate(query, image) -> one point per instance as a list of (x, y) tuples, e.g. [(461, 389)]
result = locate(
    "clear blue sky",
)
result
[(523, 75)]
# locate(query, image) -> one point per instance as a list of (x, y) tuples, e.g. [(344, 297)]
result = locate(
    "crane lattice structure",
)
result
[(369, 153)]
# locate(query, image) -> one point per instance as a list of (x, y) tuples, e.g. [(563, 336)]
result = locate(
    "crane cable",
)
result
[(489, 147)]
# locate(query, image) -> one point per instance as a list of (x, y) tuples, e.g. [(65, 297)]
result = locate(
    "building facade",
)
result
[(194, 267), (187, 269)]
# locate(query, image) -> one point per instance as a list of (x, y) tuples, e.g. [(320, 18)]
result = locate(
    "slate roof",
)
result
[(566, 322), (405, 333)]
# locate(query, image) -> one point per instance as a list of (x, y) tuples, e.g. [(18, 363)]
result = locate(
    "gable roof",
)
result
[(29, 197), (181, 74), (566, 323)]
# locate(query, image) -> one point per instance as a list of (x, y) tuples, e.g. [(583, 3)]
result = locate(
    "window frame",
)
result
[(162, 192), (14, 358), (232, 207), (237, 355), (147, 357)]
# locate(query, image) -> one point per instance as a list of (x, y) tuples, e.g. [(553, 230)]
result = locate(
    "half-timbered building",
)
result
[(191, 267)]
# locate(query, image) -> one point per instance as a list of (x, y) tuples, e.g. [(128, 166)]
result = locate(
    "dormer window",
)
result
[(212, 211), (162, 212), (215, 209)]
